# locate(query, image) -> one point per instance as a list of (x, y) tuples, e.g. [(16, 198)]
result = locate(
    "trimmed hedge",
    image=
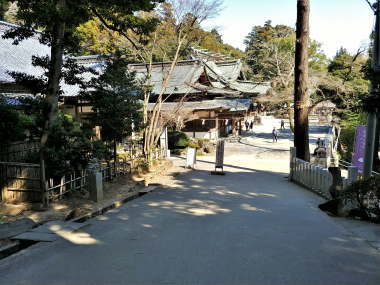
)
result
[(178, 140)]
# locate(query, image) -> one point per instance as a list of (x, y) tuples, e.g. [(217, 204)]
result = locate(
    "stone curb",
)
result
[(113, 205), (9, 249)]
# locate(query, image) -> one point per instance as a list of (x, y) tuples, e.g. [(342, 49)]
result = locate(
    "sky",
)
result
[(334, 23)]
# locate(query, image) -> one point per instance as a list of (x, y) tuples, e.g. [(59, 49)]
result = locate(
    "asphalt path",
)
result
[(249, 226)]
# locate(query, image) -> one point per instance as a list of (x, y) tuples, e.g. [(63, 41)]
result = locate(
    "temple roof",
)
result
[(222, 76), (232, 105), (18, 58)]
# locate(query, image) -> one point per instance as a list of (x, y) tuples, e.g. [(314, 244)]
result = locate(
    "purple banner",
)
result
[(359, 148)]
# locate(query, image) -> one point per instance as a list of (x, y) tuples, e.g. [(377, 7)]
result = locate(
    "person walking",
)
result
[(274, 134), (282, 125), (251, 125), (247, 125)]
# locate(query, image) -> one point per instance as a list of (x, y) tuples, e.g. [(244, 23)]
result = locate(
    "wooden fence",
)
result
[(20, 182), (70, 182), (17, 152)]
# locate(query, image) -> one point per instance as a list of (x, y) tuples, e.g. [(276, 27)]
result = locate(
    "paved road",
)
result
[(248, 227), (259, 142)]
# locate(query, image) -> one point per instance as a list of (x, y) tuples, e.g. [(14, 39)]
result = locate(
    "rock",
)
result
[(15, 228)]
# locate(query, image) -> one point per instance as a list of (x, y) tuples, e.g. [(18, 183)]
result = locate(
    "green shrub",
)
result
[(194, 145), (205, 145), (366, 195), (176, 151), (13, 124), (202, 142), (68, 147), (178, 140)]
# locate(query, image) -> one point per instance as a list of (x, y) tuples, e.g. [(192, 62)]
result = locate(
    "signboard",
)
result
[(359, 148), (219, 159), (164, 142), (191, 157)]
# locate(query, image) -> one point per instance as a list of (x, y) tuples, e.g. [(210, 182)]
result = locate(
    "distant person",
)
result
[(274, 134), (318, 143), (247, 125), (251, 126), (282, 125)]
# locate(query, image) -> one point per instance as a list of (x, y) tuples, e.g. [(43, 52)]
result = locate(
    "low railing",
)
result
[(67, 183), (345, 165), (20, 182), (316, 178), (78, 181), (109, 171)]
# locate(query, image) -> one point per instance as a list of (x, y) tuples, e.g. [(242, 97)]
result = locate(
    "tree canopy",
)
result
[(95, 39)]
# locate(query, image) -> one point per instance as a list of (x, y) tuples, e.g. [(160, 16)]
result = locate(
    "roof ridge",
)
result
[(180, 62), (6, 25), (10, 25)]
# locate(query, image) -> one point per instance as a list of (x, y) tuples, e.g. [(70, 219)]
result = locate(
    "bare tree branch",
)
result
[(370, 5)]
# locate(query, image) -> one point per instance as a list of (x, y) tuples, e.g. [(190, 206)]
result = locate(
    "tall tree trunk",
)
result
[(301, 96), (51, 98)]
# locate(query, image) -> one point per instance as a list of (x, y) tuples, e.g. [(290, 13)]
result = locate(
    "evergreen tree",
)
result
[(58, 21), (115, 99)]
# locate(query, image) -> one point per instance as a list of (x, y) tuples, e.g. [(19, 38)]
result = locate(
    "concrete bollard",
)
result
[(191, 157), (95, 185)]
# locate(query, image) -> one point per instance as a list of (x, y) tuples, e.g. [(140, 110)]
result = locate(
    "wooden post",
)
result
[(301, 96), (61, 186), (219, 157), (43, 183)]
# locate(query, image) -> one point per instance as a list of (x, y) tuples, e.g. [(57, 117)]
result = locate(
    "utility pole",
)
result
[(301, 95), (372, 115)]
